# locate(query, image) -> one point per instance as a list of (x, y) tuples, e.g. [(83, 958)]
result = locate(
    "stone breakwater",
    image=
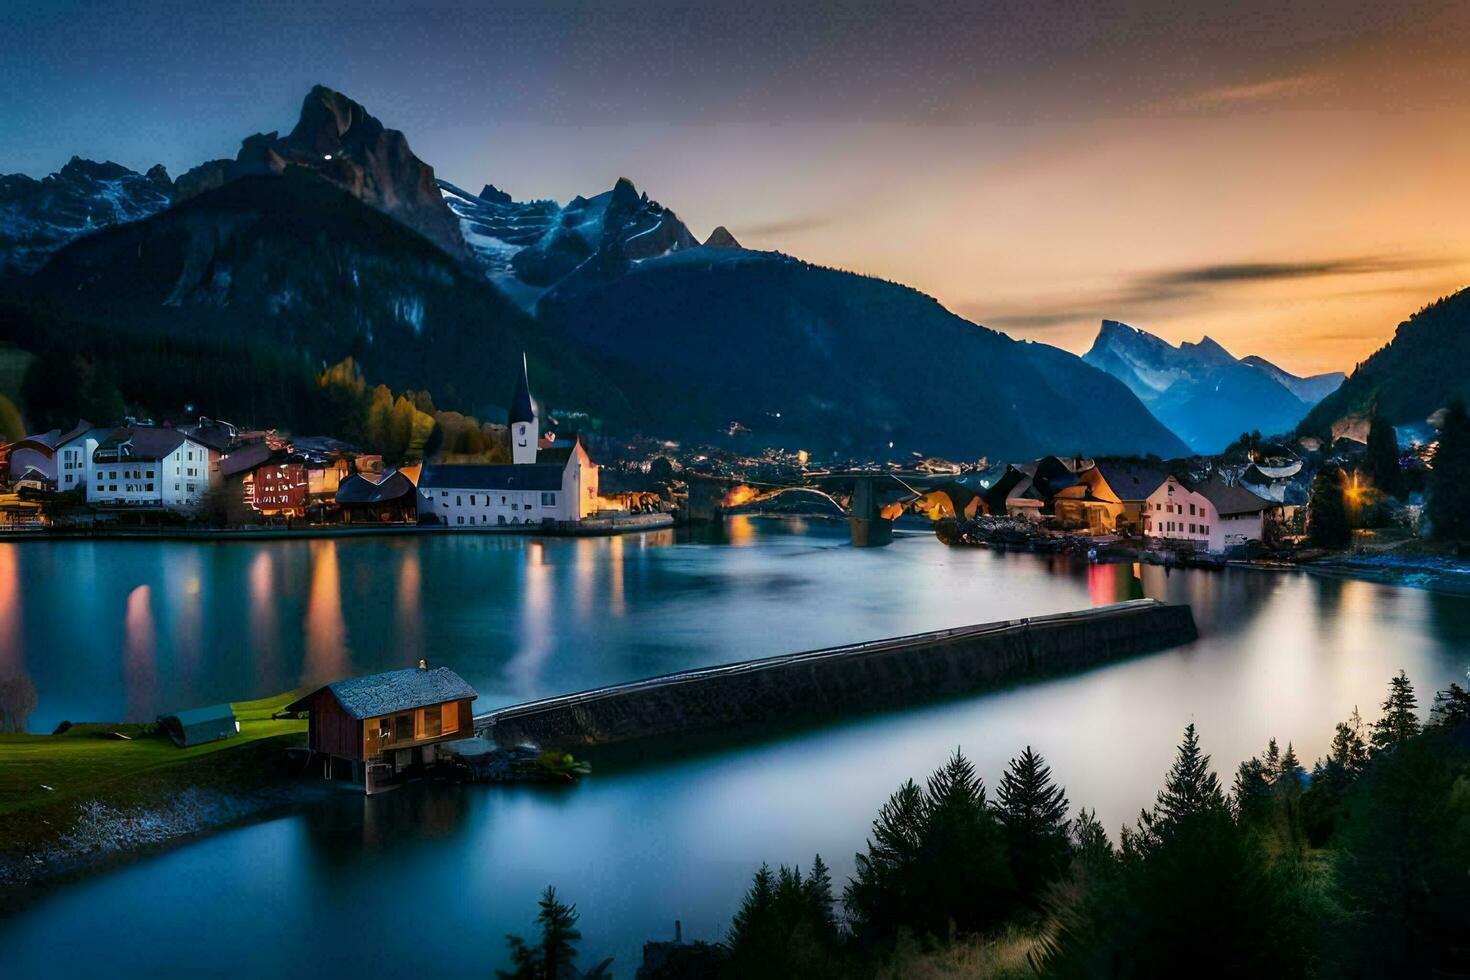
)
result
[(821, 684)]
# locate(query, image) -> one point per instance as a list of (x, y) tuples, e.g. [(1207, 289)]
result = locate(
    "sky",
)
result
[(1292, 180)]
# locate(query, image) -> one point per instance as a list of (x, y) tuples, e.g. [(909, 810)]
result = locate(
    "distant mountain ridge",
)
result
[(527, 248), (37, 217), (1421, 370), (337, 240), (1200, 390)]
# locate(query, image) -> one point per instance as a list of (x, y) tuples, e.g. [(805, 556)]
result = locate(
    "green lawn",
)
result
[(36, 770)]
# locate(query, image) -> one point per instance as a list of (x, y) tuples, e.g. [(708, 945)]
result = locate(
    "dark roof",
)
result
[(82, 428), (503, 476), (358, 489), (141, 442), (1130, 480), (394, 690), (216, 435), (1231, 500), (246, 458), (200, 724), (522, 408)]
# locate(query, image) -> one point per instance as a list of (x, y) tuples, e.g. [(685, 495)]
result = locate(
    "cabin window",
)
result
[(403, 727), (433, 722), (449, 717)]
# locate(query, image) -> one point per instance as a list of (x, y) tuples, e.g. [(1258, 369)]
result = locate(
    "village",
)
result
[(1249, 502), (209, 474)]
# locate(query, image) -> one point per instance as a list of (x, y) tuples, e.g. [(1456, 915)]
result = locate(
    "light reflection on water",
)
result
[(644, 840)]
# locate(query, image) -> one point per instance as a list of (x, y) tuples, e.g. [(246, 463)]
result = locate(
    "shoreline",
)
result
[(591, 527)]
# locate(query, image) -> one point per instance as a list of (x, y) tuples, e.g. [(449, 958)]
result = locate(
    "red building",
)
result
[(280, 489)]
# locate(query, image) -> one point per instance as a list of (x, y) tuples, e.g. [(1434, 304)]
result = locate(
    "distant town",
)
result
[(1261, 498)]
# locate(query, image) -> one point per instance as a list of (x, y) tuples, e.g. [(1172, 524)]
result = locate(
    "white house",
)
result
[(145, 466), (74, 455), (544, 483), (1212, 517)]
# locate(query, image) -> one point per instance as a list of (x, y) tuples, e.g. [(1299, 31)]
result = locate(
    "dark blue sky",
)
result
[(1028, 163)]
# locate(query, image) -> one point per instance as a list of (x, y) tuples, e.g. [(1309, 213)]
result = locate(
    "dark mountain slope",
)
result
[(293, 263), (833, 361), (1424, 368)]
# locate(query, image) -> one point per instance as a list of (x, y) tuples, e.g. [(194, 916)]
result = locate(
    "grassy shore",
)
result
[(38, 770), (84, 798)]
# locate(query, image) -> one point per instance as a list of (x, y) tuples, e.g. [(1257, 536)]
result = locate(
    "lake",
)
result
[(112, 630)]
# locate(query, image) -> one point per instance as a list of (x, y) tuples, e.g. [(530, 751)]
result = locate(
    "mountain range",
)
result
[(1202, 392), (337, 240), (1421, 370)]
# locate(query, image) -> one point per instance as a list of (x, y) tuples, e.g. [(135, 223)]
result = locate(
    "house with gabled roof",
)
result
[(380, 725), (1209, 516)]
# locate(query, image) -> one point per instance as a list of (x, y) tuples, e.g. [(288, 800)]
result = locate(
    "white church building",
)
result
[(543, 483)]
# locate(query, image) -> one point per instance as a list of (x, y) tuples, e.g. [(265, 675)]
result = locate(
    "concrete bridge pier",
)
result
[(705, 497), (865, 522)]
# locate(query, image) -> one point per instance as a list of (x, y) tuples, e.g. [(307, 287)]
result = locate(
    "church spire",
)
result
[(522, 408), (524, 431)]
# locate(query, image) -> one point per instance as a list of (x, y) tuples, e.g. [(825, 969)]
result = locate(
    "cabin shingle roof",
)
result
[(395, 690)]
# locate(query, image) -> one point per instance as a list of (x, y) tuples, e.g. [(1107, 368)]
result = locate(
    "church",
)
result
[(550, 480)]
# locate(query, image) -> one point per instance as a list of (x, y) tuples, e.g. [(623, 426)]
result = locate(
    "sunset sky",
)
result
[(1291, 179)]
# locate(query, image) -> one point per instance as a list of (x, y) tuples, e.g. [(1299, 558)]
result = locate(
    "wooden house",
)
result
[(383, 724)]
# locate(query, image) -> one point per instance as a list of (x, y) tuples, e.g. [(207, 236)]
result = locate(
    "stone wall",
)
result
[(807, 687)]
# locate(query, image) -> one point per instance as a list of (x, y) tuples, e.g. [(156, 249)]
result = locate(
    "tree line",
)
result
[(1356, 868)]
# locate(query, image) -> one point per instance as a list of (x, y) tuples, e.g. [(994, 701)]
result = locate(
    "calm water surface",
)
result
[(126, 630)]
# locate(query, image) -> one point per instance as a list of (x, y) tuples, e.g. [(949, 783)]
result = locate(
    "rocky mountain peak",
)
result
[(721, 238), (494, 195)]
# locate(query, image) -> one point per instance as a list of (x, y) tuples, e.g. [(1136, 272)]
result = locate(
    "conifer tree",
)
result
[(1399, 722), (1327, 518), (1349, 748), (1448, 506), (1033, 810), (1451, 708), (819, 898), (1383, 455), (551, 958), (1289, 771), (1190, 789)]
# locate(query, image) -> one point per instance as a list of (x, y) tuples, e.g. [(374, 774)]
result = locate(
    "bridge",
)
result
[(870, 499)]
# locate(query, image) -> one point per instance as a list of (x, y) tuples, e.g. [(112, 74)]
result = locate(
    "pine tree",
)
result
[(1448, 506), (1349, 748), (819, 898), (551, 958), (1252, 790), (1451, 708), (1190, 789), (1090, 843), (1327, 518), (1399, 722), (1383, 455), (1289, 771), (1033, 810)]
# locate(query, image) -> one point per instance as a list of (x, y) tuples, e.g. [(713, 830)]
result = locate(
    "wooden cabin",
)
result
[(383, 724)]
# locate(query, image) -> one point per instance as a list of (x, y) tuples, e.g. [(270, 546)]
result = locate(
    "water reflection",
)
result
[(140, 644), (264, 647), (326, 630), (536, 622), (409, 631), (11, 614)]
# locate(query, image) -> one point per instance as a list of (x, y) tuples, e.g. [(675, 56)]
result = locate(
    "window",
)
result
[(472, 500), (1191, 529), (548, 500), (191, 488), (433, 721), (472, 518), (449, 717), (150, 488), (1191, 510), (502, 499), (459, 519), (403, 727), (458, 501), (443, 493)]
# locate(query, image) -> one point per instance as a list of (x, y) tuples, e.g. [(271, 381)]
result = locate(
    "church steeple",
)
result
[(524, 430)]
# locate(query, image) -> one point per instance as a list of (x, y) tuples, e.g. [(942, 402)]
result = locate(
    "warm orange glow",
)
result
[(264, 645), (738, 495), (326, 632), (410, 631), (934, 505), (893, 511), (10, 620)]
